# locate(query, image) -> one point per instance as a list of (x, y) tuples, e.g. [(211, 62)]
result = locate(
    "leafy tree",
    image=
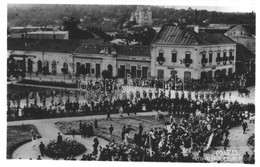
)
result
[(10, 64), (64, 71), (106, 74)]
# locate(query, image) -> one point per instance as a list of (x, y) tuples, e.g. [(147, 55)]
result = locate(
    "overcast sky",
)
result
[(210, 5)]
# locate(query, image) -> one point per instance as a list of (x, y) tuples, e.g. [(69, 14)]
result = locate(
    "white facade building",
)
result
[(50, 56), (186, 54)]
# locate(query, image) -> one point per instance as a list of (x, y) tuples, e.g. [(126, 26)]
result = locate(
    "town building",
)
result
[(142, 15), (21, 32), (245, 60), (243, 34), (48, 35), (120, 60), (190, 54), (48, 57)]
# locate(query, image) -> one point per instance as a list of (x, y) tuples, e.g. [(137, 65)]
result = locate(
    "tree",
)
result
[(83, 71), (64, 71), (11, 64), (106, 74), (45, 70)]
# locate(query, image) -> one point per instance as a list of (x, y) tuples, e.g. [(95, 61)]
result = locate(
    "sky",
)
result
[(210, 5)]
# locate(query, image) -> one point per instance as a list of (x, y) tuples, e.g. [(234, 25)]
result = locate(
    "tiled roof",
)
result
[(21, 44), (244, 54), (175, 35), (91, 46), (132, 50), (61, 46), (47, 45)]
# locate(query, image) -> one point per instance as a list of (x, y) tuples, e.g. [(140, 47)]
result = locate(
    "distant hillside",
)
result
[(22, 15)]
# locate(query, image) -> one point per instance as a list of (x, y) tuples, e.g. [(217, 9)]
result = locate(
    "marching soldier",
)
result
[(196, 95), (150, 94)]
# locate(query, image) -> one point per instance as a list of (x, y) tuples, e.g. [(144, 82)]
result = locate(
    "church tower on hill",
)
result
[(142, 15)]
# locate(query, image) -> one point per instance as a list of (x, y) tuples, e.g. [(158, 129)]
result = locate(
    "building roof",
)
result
[(89, 46), (250, 29), (220, 26), (176, 35), (244, 54), (47, 45), (48, 32), (132, 50)]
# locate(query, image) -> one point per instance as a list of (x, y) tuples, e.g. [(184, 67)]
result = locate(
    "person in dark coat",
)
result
[(244, 125), (246, 158), (73, 133), (95, 146), (96, 123), (111, 129), (42, 148), (108, 114), (140, 129), (59, 138)]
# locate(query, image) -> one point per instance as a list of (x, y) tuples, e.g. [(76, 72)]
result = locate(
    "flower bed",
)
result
[(64, 149)]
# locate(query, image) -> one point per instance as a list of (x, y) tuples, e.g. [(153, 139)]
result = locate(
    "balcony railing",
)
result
[(187, 62)]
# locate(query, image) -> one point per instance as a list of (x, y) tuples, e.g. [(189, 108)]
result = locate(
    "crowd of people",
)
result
[(205, 125), (179, 104)]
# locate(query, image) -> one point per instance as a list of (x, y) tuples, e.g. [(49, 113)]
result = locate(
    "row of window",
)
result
[(204, 74), (88, 68), (187, 55), (135, 73)]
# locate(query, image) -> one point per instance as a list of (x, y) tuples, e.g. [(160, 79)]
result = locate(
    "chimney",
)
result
[(196, 28)]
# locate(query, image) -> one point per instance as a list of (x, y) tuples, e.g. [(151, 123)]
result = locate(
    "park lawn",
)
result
[(19, 135), (102, 131)]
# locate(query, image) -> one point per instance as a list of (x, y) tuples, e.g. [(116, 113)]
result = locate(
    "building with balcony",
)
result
[(189, 54)]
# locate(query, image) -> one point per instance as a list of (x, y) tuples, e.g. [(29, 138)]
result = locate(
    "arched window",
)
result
[(160, 74), (209, 75), (187, 76), (110, 69), (54, 67), (174, 56), (203, 75), (173, 74), (39, 64), (217, 74), (30, 65), (210, 56)]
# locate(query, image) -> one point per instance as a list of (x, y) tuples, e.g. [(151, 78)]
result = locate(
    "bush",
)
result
[(251, 141), (64, 149)]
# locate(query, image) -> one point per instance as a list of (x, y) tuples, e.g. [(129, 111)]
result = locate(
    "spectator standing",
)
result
[(244, 125), (42, 148), (96, 123), (73, 132), (246, 158), (59, 138), (111, 129), (95, 146), (108, 114)]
